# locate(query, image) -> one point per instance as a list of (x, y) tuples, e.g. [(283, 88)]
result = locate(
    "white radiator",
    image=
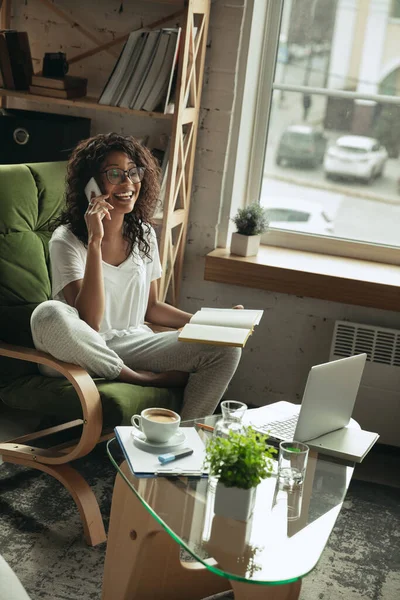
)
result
[(377, 406)]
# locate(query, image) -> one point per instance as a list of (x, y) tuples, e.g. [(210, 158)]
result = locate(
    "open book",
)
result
[(221, 326)]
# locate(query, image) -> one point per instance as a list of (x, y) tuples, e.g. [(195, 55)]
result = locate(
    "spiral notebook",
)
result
[(146, 464)]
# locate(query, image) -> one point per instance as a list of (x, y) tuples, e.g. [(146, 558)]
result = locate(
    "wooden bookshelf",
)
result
[(83, 102), (193, 16)]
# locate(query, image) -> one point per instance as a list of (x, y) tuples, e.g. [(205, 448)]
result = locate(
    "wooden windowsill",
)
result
[(301, 273)]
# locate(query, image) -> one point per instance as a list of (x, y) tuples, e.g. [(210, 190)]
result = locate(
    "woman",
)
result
[(105, 266)]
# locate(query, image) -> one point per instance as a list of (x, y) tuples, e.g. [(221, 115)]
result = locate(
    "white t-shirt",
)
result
[(126, 287)]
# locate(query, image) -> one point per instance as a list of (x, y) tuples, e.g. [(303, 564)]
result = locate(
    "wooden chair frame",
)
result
[(55, 461)]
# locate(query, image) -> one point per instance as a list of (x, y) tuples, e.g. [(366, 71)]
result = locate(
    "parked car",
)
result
[(301, 145), (297, 214), (355, 156)]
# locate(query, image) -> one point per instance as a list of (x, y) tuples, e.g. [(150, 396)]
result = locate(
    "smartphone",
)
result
[(92, 186)]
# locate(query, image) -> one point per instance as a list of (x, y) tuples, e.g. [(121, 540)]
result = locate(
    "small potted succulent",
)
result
[(240, 462), (251, 221)]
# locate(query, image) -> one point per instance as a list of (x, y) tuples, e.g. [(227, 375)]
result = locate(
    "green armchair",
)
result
[(30, 196)]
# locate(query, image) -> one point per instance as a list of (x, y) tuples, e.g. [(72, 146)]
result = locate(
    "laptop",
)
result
[(327, 404)]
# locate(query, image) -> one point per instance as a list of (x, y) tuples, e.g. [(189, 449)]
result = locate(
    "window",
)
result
[(328, 125)]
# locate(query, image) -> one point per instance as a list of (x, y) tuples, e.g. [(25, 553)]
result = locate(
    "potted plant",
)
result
[(251, 221), (240, 461)]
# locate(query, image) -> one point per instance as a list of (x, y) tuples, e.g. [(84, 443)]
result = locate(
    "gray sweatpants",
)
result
[(58, 330)]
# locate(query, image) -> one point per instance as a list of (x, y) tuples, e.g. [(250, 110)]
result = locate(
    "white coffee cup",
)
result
[(157, 424)]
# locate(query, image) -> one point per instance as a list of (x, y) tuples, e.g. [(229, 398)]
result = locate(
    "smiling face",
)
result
[(122, 195)]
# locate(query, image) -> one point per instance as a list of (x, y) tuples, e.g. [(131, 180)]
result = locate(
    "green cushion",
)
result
[(57, 398), (30, 197)]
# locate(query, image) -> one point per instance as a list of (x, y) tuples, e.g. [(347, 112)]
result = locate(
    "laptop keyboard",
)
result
[(281, 429)]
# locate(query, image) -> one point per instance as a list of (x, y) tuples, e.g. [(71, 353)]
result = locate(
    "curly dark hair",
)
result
[(85, 162)]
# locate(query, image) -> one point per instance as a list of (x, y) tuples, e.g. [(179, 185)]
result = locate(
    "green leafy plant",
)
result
[(251, 220), (240, 460)]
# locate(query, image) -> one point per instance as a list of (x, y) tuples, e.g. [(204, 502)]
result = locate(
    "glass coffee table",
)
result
[(165, 542)]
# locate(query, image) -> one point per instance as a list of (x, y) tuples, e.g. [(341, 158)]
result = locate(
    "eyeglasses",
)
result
[(116, 176)]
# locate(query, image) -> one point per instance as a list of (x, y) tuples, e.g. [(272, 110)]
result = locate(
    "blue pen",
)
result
[(170, 456)]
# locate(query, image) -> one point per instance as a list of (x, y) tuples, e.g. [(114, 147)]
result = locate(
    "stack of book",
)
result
[(144, 74), (64, 87), (15, 60)]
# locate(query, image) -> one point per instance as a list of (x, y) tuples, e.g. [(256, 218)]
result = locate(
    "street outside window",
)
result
[(332, 157)]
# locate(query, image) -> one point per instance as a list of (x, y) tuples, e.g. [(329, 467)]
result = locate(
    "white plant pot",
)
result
[(245, 245), (234, 503)]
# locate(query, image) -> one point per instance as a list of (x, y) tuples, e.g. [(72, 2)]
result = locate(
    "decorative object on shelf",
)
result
[(55, 64), (15, 59), (239, 462), (251, 221), (231, 420)]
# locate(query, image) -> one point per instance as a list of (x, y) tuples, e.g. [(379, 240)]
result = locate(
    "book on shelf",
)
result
[(143, 76), (151, 50), (59, 83), (115, 82), (133, 60), (161, 89), (138, 74), (75, 92), (221, 326), (154, 69), (15, 59)]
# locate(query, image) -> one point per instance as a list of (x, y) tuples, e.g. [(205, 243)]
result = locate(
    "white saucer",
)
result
[(139, 439)]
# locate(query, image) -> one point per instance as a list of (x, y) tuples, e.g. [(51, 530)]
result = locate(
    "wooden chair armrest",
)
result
[(85, 388)]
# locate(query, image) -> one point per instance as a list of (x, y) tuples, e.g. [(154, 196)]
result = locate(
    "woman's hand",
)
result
[(97, 209), (166, 379), (238, 307)]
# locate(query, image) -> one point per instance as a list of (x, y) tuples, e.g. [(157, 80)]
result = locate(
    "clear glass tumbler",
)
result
[(288, 499), (292, 463)]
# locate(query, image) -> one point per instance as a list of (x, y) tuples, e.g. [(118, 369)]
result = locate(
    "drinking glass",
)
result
[(289, 498), (292, 463), (232, 415)]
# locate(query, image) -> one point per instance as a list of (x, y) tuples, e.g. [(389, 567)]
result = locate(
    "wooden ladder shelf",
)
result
[(174, 219)]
